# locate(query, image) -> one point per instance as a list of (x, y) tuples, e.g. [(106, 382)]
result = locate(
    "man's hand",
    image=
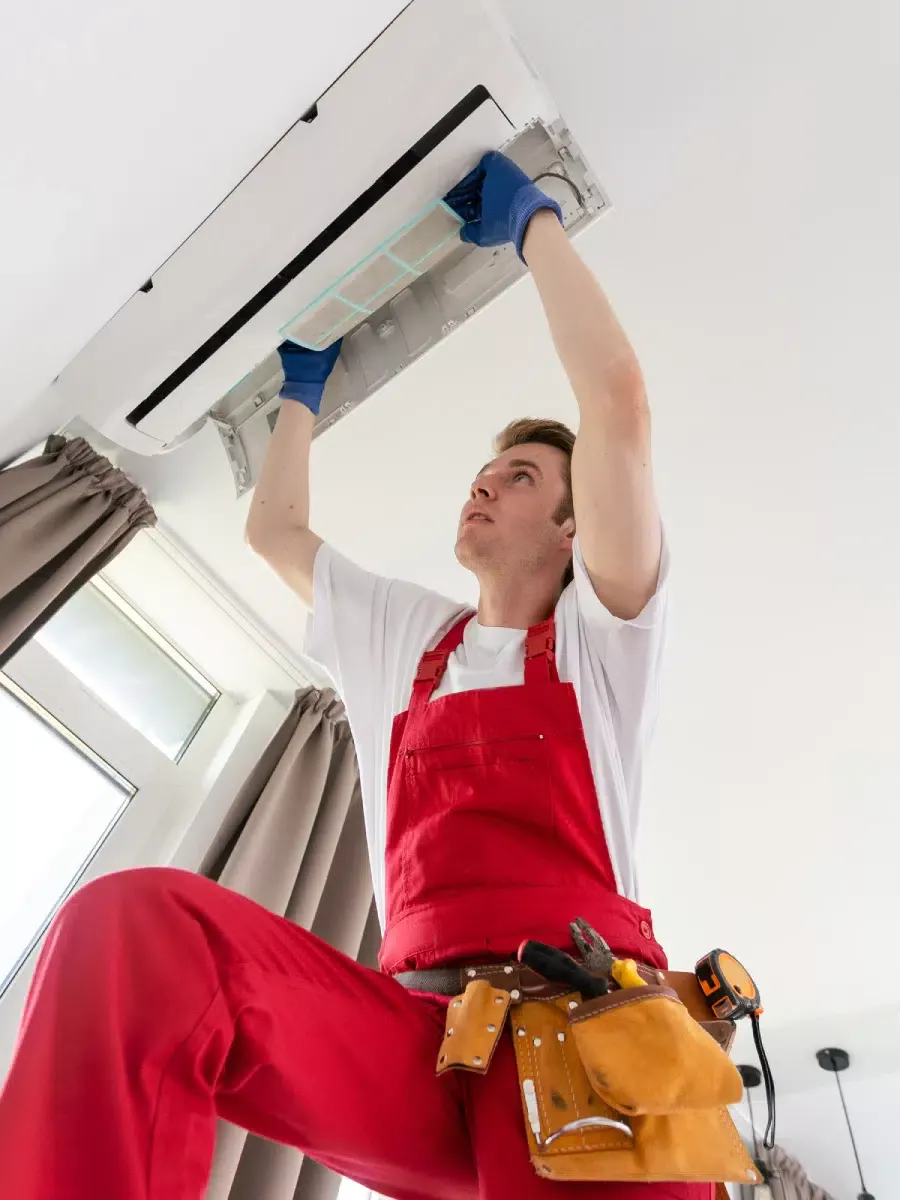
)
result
[(306, 372), (612, 484), (496, 201)]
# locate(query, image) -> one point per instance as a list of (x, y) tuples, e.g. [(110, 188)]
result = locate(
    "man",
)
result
[(500, 756)]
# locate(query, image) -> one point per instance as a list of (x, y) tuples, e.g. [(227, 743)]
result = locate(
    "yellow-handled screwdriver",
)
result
[(624, 971)]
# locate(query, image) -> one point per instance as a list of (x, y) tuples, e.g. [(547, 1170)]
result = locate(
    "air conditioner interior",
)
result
[(403, 297)]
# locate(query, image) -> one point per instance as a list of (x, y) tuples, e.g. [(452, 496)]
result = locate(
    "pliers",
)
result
[(597, 956)]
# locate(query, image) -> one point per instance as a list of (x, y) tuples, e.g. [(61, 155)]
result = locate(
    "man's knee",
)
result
[(123, 894)]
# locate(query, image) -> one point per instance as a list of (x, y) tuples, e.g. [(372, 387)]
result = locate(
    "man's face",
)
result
[(509, 522)]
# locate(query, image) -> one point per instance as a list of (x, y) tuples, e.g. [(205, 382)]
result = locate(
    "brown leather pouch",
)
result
[(645, 1054), (574, 1133), (473, 1026)]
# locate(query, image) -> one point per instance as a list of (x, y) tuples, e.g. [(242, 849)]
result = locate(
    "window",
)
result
[(96, 711), (61, 800), (349, 1190), (129, 667)]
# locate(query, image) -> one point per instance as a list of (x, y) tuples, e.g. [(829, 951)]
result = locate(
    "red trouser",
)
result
[(162, 1001)]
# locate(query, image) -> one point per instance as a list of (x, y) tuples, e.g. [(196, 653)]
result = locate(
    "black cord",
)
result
[(862, 1182), (563, 179), (769, 1136)]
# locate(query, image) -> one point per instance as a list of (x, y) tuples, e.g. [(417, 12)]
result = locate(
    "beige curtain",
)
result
[(295, 842), (63, 516), (789, 1181)]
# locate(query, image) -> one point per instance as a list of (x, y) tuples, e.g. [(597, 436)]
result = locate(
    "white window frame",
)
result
[(178, 807), (161, 785)]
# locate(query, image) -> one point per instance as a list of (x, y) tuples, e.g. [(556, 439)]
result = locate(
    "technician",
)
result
[(500, 754)]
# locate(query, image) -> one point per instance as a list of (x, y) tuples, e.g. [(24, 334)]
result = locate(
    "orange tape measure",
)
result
[(728, 986), (731, 993)]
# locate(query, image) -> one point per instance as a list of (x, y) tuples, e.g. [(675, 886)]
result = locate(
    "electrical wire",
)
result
[(862, 1182), (563, 178)]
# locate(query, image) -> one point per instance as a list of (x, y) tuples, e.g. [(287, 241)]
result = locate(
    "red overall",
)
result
[(162, 1000), (494, 830)]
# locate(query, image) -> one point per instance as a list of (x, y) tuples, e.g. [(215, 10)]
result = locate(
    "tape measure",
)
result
[(731, 993), (728, 986)]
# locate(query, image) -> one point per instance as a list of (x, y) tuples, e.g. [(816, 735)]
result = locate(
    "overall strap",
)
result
[(540, 653), (433, 663), (540, 659)]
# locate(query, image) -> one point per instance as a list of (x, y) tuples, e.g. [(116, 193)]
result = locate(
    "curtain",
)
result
[(63, 516), (788, 1179), (295, 842)]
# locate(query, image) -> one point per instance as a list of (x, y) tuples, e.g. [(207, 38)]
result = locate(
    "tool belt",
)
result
[(631, 1085)]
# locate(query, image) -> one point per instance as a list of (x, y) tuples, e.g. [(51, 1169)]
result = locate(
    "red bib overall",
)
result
[(494, 831), (162, 1001)]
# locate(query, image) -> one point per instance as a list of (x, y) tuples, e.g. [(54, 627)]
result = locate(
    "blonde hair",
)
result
[(547, 433)]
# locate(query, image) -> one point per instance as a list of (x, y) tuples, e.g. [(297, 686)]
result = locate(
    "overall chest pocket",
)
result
[(480, 814)]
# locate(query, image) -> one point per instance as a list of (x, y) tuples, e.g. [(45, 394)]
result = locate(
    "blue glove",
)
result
[(496, 201), (306, 372)]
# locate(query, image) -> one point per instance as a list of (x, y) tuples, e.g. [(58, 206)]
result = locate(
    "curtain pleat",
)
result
[(63, 516), (295, 842), (789, 1180)]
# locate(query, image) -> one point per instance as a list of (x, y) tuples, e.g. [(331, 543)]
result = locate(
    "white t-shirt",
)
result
[(369, 633)]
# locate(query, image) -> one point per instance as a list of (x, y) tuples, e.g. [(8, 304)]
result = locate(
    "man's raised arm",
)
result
[(278, 521)]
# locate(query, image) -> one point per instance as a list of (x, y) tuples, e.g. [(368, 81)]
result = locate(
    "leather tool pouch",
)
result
[(645, 1054), (627, 1087), (475, 1021)]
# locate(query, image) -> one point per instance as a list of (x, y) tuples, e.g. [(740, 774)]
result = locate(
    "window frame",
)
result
[(160, 786), (10, 688), (145, 629), (178, 808)]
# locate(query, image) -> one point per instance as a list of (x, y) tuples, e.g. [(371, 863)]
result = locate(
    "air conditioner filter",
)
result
[(390, 268)]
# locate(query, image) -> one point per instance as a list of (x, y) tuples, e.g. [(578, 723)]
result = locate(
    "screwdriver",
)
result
[(624, 971), (558, 967)]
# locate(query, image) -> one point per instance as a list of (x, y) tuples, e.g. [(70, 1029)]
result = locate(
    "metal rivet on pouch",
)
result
[(661, 978), (507, 970), (561, 1037), (477, 1061), (457, 1003), (449, 1033), (537, 1041), (471, 972), (573, 1004), (492, 1028), (498, 999), (515, 994), (520, 1032)]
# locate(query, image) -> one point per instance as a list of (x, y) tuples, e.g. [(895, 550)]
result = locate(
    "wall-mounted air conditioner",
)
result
[(338, 231)]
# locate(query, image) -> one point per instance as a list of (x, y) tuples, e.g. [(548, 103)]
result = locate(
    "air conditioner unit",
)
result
[(339, 230)]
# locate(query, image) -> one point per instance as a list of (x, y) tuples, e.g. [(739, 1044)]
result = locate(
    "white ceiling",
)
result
[(123, 125), (754, 252)]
